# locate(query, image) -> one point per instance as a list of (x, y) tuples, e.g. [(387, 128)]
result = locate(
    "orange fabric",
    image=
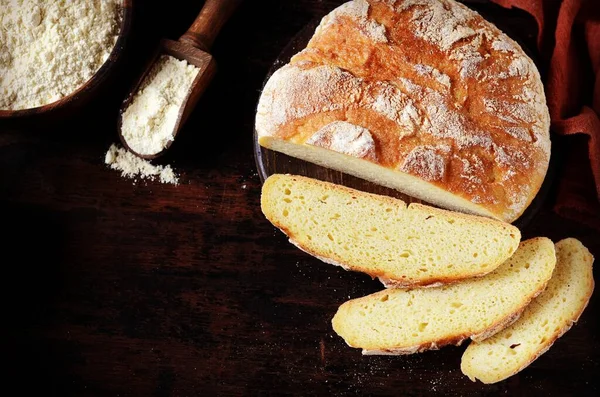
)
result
[(569, 43)]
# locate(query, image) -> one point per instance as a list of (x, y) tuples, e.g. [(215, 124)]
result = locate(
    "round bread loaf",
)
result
[(423, 96)]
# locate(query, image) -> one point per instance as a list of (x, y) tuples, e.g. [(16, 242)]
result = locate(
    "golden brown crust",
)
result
[(444, 94)]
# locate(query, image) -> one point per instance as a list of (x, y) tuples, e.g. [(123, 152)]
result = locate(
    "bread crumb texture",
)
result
[(49, 48), (134, 167), (546, 319), (407, 321), (148, 123), (382, 236), (441, 94)]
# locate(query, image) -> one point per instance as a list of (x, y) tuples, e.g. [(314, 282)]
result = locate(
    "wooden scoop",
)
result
[(192, 47)]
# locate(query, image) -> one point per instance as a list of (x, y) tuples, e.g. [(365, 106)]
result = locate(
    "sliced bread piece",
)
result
[(382, 236), (546, 319), (399, 321)]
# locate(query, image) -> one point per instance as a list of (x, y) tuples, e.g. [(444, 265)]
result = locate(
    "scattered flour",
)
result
[(358, 11), (392, 103), (429, 162), (323, 88), (347, 138), (440, 22), (132, 166), (49, 48), (149, 121), (426, 70)]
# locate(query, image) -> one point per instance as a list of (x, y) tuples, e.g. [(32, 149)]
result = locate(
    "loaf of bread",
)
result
[(546, 319), (398, 321), (382, 236), (423, 96)]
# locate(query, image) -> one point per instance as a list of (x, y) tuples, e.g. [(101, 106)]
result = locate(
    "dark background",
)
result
[(115, 288)]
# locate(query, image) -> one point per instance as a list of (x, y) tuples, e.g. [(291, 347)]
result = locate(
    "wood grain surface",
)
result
[(115, 288)]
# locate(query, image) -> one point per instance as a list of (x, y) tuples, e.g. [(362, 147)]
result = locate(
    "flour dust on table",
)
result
[(134, 167)]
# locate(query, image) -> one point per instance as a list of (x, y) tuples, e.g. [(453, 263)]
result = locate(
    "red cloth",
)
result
[(569, 44)]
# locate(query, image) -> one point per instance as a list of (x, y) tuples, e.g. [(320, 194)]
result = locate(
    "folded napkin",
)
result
[(569, 45)]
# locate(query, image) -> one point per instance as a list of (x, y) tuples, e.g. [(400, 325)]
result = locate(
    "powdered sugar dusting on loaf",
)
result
[(501, 43), (471, 173), (410, 116), (392, 103), (430, 71), (389, 3), (519, 66), (440, 22), (375, 31), (521, 133), (511, 157), (513, 112), (472, 169), (518, 200), (442, 121), (427, 162), (469, 57), (358, 11), (293, 93), (540, 133), (347, 138)]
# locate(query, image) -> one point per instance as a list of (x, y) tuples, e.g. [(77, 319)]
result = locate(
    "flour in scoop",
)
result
[(132, 166), (148, 123), (50, 48)]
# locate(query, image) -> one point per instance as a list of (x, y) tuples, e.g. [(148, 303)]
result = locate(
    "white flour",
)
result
[(132, 166), (49, 48), (149, 121)]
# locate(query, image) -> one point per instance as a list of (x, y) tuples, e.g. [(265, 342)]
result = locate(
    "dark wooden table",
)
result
[(114, 288)]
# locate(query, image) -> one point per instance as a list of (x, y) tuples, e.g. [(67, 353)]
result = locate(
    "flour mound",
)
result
[(50, 48)]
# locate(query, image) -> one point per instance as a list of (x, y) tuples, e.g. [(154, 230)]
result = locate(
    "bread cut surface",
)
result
[(423, 96), (382, 236), (546, 319), (399, 321)]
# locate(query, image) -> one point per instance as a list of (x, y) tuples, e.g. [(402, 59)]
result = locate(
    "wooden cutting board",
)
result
[(270, 162)]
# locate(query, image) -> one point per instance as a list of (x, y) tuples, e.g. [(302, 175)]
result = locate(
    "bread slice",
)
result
[(546, 319), (399, 321), (383, 237)]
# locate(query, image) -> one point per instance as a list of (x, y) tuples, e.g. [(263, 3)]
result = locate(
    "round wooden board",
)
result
[(269, 162)]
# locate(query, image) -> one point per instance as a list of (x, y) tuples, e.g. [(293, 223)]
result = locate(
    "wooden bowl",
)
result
[(85, 92)]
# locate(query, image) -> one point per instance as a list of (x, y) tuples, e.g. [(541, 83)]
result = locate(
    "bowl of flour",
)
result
[(55, 53)]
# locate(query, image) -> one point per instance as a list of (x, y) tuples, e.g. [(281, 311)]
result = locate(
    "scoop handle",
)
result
[(209, 22)]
